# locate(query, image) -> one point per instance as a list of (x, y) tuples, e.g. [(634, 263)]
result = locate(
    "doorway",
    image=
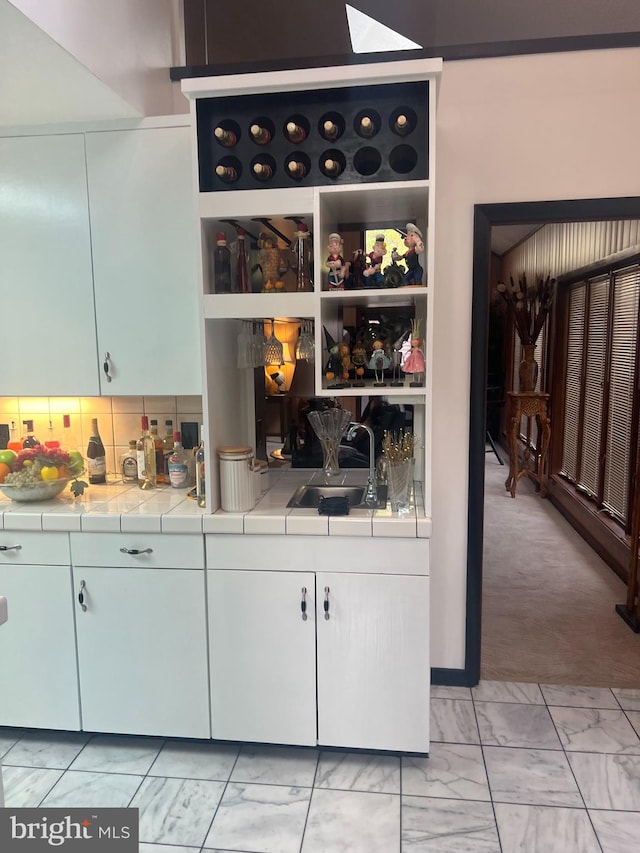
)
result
[(486, 217)]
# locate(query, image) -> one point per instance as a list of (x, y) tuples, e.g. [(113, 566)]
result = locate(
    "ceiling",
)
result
[(43, 83), (505, 237)]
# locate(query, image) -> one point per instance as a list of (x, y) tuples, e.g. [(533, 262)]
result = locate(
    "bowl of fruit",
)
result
[(40, 473)]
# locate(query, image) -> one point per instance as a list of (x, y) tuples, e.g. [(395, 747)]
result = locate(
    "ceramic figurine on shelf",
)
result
[(373, 273), (379, 362), (414, 359), (338, 267), (333, 367), (344, 351), (359, 360), (357, 268), (415, 246), (271, 263)]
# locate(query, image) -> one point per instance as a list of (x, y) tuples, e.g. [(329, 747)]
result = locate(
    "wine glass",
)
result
[(306, 345)]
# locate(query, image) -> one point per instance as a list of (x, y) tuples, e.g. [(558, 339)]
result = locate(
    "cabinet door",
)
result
[(142, 210), (48, 339), (373, 661), (38, 678), (262, 653), (142, 651)]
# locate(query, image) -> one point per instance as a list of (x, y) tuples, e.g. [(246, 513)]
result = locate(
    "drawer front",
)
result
[(154, 551), (34, 548)]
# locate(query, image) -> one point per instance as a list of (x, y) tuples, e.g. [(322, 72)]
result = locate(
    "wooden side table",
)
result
[(529, 405)]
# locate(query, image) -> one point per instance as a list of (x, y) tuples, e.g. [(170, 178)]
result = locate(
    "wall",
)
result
[(529, 128)]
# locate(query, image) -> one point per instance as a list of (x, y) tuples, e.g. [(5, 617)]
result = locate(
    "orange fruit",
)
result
[(63, 472), (4, 470)]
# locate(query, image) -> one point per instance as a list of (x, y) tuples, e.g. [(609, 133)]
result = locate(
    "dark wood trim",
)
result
[(451, 678)]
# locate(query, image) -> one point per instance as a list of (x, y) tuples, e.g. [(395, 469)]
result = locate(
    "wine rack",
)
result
[(368, 133)]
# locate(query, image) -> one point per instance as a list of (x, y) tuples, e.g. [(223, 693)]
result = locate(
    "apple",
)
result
[(8, 457), (76, 462)]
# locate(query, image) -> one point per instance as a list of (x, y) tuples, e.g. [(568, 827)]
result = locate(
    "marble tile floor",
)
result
[(532, 768)]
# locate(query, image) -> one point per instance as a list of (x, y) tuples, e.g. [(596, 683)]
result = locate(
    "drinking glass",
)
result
[(400, 481)]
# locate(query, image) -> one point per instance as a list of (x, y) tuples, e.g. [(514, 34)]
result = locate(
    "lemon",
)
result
[(48, 472)]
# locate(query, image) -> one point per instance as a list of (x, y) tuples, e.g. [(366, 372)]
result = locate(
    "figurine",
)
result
[(413, 361), (359, 359), (358, 266), (344, 351), (415, 246), (373, 273), (338, 267), (333, 367), (379, 362), (270, 262)]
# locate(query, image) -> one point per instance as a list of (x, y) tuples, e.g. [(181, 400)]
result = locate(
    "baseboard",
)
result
[(452, 677)]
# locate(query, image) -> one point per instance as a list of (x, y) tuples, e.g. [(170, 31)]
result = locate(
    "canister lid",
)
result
[(239, 451)]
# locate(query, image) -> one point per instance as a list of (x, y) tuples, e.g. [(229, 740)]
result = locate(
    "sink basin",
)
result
[(309, 496)]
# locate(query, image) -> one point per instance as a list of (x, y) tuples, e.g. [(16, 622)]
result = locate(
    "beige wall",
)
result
[(530, 128)]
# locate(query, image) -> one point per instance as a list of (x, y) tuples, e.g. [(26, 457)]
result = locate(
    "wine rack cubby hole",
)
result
[(386, 155)]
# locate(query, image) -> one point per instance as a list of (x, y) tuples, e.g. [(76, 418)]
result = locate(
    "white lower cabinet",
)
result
[(142, 650), (359, 678), (38, 677)]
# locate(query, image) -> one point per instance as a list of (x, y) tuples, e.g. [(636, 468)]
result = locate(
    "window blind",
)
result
[(573, 382)]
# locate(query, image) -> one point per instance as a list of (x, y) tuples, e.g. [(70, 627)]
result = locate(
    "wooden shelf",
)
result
[(247, 306)]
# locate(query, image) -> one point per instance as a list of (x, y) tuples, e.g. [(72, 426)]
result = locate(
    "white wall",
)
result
[(128, 44), (530, 128)]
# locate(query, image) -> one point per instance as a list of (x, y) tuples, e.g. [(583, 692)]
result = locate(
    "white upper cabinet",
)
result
[(48, 337), (142, 211)]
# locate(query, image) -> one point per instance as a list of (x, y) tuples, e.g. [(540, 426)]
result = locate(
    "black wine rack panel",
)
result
[(392, 152)]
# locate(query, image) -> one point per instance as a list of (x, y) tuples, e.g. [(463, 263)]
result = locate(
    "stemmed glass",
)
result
[(273, 352), (306, 345)]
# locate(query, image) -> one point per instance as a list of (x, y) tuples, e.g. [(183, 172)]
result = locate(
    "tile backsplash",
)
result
[(118, 419)]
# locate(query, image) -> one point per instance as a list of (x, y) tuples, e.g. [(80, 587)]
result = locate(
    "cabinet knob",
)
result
[(10, 547), (107, 366), (83, 586), (326, 603), (303, 604), (136, 551)]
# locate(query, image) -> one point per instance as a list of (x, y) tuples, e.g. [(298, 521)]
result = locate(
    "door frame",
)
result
[(485, 217)]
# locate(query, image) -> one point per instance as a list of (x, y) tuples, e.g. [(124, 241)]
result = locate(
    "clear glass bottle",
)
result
[(180, 468), (301, 248), (129, 463), (200, 471), (159, 447), (146, 453), (96, 456), (221, 265), (29, 439), (167, 446), (242, 269)]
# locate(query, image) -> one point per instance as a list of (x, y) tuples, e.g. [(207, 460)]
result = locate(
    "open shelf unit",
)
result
[(384, 199)]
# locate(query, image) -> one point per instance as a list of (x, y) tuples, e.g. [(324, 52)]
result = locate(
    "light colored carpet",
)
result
[(548, 599)]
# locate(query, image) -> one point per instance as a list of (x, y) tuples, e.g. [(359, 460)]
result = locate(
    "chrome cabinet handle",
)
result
[(107, 366), (83, 586), (303, 604), (136, 551), (10, 547), (326, 603)]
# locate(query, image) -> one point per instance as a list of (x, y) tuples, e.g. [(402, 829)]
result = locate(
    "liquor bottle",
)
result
[(167, 446), (29, 439), (332, 167), (129, 464), (242, 271), (301, 248), (221, 265), (52, 442), (228, 174), (225, 137), (295, 132), (159, 448), (146, 453), (180, 470), (296, 169), (260, 135), (330, 130), (367, 126), (262, 171), (96, 457), (200, 471)]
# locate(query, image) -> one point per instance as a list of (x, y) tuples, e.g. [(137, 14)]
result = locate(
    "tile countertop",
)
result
[(121, 507)]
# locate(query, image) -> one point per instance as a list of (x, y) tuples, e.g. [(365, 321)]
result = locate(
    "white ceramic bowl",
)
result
[(44, 491)]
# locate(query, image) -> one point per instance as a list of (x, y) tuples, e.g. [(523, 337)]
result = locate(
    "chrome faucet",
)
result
[(371, 495)]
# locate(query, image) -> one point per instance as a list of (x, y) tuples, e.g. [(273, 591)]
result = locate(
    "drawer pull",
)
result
[(326, 602), (83, 586), (136, 551), (303, 604), (10, 547)]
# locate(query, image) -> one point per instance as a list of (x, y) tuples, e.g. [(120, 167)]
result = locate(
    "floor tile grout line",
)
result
[(313, 789), (224, 791), (486, 773)]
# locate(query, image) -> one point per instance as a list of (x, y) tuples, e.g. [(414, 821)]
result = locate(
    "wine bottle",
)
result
[(227, 174), (401, 125), (159, 448), (96, 457), (29, 439), (242, 272), (330, 130), (332, 167), (221, 265), (146, 453), (295, 132), (262, 171), (367, 126), (260, 135), (296, 169), (200, 472), (225, 137)]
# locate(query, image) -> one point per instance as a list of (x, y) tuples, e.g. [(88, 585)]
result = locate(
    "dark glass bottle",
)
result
[(260, 135), (29, 439), (221, 265), (242, 271), (227, 173), (332, 167), (295, 132), (96, 457), (296, 168), (225, 137)]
